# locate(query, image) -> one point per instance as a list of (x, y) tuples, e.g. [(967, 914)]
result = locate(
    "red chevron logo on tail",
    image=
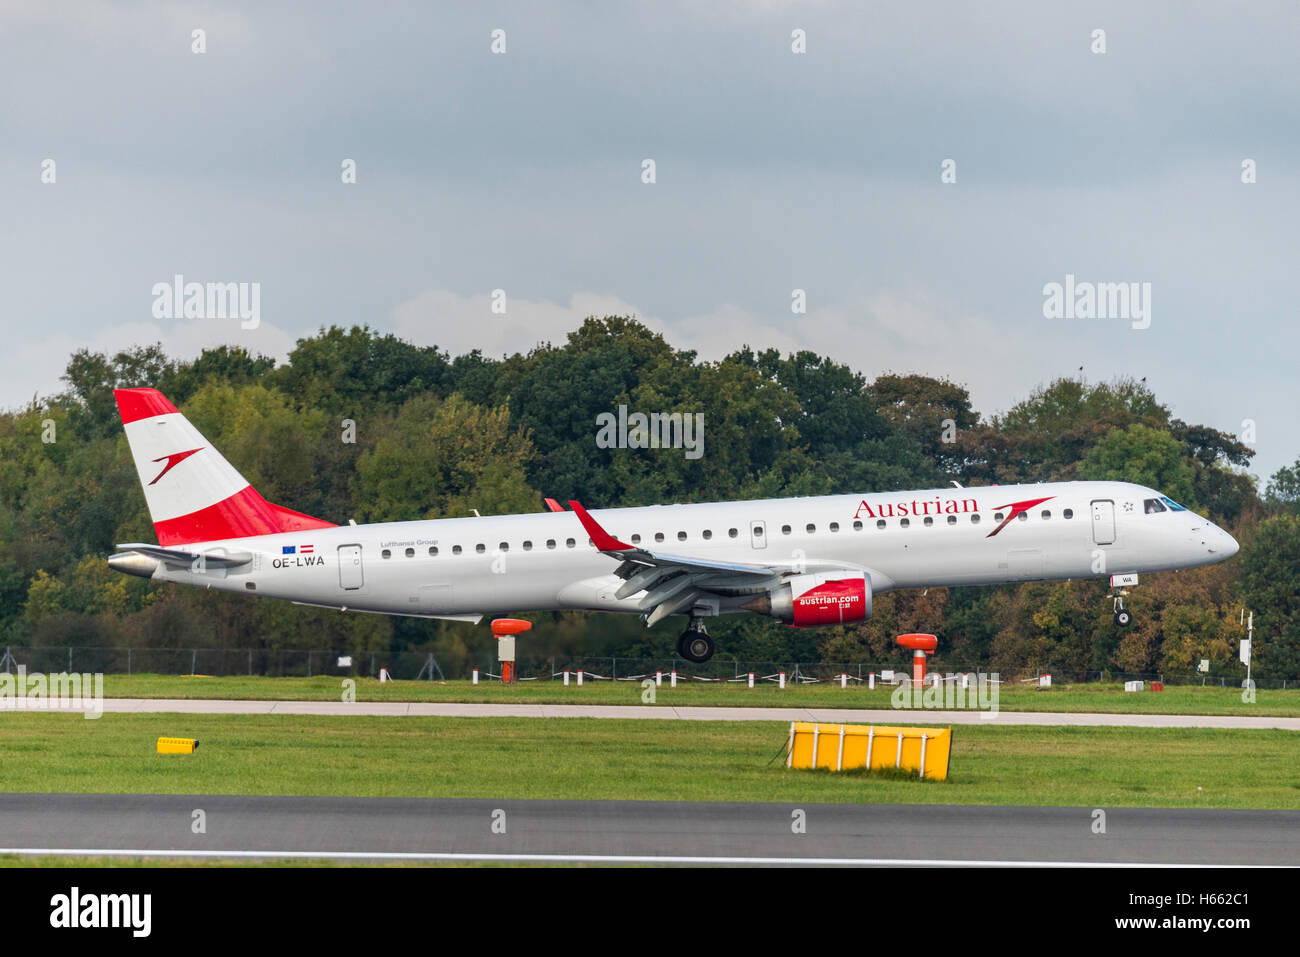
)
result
[(173, 460)]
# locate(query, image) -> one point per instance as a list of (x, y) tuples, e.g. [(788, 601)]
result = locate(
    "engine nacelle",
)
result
[(806, 601)]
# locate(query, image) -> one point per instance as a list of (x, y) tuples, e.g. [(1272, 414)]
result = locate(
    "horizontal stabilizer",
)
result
[(221, 558)]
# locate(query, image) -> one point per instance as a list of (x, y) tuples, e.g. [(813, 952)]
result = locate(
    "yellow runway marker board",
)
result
[(846, 747), (177, 745)]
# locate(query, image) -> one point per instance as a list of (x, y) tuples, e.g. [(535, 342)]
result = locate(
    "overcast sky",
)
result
[(774, 171)]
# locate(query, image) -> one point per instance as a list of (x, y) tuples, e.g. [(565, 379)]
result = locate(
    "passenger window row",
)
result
[(707, 534)]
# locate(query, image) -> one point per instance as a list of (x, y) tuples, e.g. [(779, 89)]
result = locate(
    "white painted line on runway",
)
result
[(595, 858)]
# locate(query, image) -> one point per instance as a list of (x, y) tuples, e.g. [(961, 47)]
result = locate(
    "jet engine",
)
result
[(828, 598)]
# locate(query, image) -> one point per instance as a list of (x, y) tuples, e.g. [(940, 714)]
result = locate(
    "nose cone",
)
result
[(1219, 543)]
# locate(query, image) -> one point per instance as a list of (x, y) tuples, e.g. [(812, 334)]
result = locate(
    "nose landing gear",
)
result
[(695, 645), (1123, 618)]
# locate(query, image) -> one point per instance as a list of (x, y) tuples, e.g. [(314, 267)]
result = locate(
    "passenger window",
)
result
[(386, 553), (433, 551), (785, 529), (455, 549), (880, 523), (929, 521), (659, 536), (569, 543), (480, 548), (681, 536), (707, 534), (1068, 513), (410, 553), (528, 546), (732, 533), (811, 529), (1046, 513), (504, 546), (975, 518), (636, 539), (997, 516), (835, 526), (952, 519), (1023, 516), (550, 543), (857, 526), (904, 523)]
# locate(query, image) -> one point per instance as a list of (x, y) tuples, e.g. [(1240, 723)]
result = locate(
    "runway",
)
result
[(640, 831), (671, 713)]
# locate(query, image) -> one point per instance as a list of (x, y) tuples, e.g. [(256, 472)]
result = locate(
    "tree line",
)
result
[(362, 425)]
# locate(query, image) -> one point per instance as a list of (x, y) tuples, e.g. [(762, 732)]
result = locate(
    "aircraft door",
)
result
[(1103, 521), (758, 534), (350, 572)]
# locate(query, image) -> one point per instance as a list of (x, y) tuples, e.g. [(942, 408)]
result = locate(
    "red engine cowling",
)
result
[(806, 601)]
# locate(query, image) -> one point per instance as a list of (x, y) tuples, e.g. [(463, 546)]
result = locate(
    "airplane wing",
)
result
[(672, 583)]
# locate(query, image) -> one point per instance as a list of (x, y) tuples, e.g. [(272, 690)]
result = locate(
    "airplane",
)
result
[(806, 561)]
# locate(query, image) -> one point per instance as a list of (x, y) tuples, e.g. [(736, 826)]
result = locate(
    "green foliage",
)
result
[(441, 459), (1146, 456), (1283, 490), (1270, 562)]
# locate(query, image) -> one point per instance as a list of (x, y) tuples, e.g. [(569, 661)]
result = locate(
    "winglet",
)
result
[(601, 538), (553, 505)]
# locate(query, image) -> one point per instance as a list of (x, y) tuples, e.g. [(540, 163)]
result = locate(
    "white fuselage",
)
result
[(545, 561)]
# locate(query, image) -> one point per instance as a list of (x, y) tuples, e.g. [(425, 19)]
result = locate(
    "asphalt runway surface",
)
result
[(669, 713), (640, 831)]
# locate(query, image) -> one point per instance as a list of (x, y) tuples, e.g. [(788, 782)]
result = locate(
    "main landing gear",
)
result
[(695, 645)]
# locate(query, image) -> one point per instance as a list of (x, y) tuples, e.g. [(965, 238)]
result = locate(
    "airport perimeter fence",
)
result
[(271, 662)]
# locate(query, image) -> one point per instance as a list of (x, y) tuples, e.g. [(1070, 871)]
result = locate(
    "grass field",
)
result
[(577, 758), (1182, 699)]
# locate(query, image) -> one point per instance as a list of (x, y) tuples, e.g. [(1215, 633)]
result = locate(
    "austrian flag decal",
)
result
[(297, 556)]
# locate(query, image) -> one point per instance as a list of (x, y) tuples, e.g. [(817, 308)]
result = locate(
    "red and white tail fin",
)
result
[(193, 493)]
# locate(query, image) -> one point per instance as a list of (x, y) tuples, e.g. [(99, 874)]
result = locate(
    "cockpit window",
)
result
[(1173, 506), (1152, 505)]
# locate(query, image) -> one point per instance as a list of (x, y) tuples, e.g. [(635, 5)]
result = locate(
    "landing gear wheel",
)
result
[(695, 646), (1123, 618)]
